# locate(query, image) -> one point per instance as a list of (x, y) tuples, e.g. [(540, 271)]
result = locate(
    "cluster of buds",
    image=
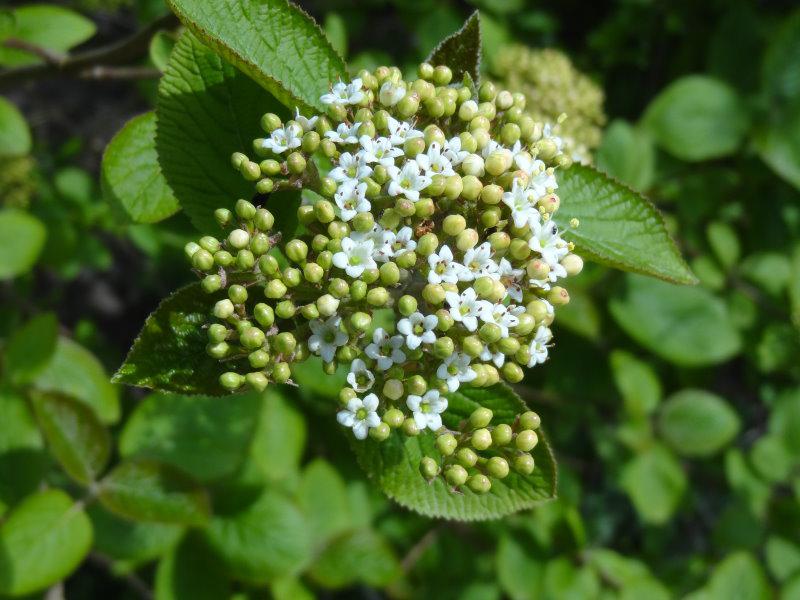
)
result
[(17, 184), (429, 198), (553, 88)]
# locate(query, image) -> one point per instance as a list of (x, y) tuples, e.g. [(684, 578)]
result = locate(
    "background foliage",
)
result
[(674, 411)]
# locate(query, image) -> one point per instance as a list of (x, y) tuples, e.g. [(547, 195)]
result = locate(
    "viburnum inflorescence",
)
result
[(428, 198)]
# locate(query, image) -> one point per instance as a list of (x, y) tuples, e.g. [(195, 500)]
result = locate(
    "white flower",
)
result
[(400, 131), (382, 240), (427, 409), (522, 158), (326, 337), (355, 256), (360, 378), (498, 358), (344, 134), (546, 241), (344, 93), (547, 133), (538, 346), (305, 123), (281, 140), (351, 168), (433, 162), (379, 150), (455, 370), (404, 241), (453, 151), (478, 262), (490, 147), (385, 349), (466, 308), (418, 329), (391, 93), (360, 415), (501, 315), (407, 181), (542, 179), (443, 267), (351, 199), (520, 201)]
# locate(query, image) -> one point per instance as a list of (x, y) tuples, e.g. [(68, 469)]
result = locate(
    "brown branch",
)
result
[(49, 56), (123, 51), (103, 72)]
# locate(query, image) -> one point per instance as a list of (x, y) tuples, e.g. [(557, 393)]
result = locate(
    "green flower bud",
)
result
[(466, 457), (519, 249), (223, 258), (270, 167), (264, 314), (239, 238), (338, 287), (217, 332), (404, 207), (380, 433), (237, 158), (231, 381), (378, 296), (296, 163), (252, 338), (325, 259), (292, 277), (218, 350), (310, 142), (203, 260), (512, 372), (442, 75), (370, 276), (526, 440), (443, 347), (558, 296), (394, 418), (313, 273), (425, 207), (390, 274), (524, 464), (497, 467), (281, 372), (468, 110), (406, 260), (393, 389), (446, 443), (510, 134), (498, 162), (223, 309), (408, 105), (285, 343), (265, 185), (509, 345), (275, 289), (472, 187), (268, 265), (425, 71), (306, 214), (327, 187), (479, 483), (491, 217), (237, 294), (260, 244), (427, 244), (258, 359), (270, 122), (529, 420), (537, 269), (433, 293), (390, 218), (337, 230), (413, 147), (360, 321), (454, 224), (452, 187), (245, 260), (490, 333), (309, 312), (502, 435), (473, 165), (324, 211), (572, 263), (358, 290), (346, 394), (223, 216), (407, 305), (456, 475), (209, 243), (467, 239), (523, 355), (491, 194), (250, 170), (428, 468), (480, 417), (434, 107), (285, 309), (445, 320), (257, 380), (327, 305), (410, 427), (472, 346), (296, 251), (363, 222)]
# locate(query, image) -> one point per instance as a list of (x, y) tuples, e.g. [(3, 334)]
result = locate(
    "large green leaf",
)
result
[(30, 348), (76, 372), (394, 465), (205, 436), (697, 422), (323, 498), (74, 434), (152, 491), (687, 326), (519, 573), (272, 41), (739, 575), (655, 483), (131, 175), (44, 25), (637, 382), (23, 462), (43, 540), (697, 118), (357, 557), (627, 153), (206, 110), (15, 136), (461, 51), (169, 354), (23, 239), (618, 227), (265, 539), (778, 145), (191, 571)]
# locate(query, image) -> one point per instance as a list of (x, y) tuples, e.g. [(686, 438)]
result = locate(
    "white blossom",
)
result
[(541, 179), (391, 93), (360, 415), (501, 315), (453, 152), (427, 409), (307, 124), (380, 150), (443, 267), (546, 241), (360, 377), (344, 93), (351, 167), (404, 241), (326, 337), (433, 162), (407, 181), (520, 201), (400, 131), (385, 349), (344, 133), (281, 140), (355, 256), (478, 262), (465, 307), (382, 240), (538, 346), (418, 329), (498, 358), (351, 199), (455, 370)]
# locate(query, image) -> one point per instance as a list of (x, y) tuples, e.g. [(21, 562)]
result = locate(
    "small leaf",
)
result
[(45, 25), (161, 45), (618, 227), (191, 571), (358, 557), (393, 465), (43, 540), (15, 135), (637, 382), (152, 491), (76, 372), (30, 348), (696, 118), (783, 557), (724, 242), (686, 326), (461, 51), (627, 154), (697, 423), (207, 437), (323, 498), (131, 175), (169, 354), (739, 575), (206, 110), (519, 573), (74, 434), (272, 41), (23, 239), (265, 539), (655, 483)]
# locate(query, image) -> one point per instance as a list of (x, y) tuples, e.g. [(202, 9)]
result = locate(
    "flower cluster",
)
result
[(554, 87), (429, 198)]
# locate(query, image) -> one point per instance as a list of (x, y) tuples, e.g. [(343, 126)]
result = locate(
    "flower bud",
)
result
[(237, 158), (467, 239), (456, 475), (433, 294), (285, 309), (572, 263), (378, 296), (313, 273), (529, 420), (281, 372), (454, 224), (471, 187), (479, 483), (480, 417), (512, 372), (473, 165), (239, 238), (497, 467), (526, 440), (252, 338), (275, 289), (324, 211), (407, 305), (537, 269), (363, 222), (223, 309), (296, 251), (442, 75), (410, 427), (468, 110), (427, 244), (558, 296), (231, 381), (443, 347), (429, 468), (327, 305), (270, 122), (490, 333), (466, 457), (292, 277), (250, 170), (481, 439), (219, 350), (524, 463), (519, 249), (203, 260), (260, 244), (447, 444), (413, 147), (237, 294)]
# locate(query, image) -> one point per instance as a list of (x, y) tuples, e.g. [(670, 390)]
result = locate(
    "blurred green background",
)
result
[(674, 411)]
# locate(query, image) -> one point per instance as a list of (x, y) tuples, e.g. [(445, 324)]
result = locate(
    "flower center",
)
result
[(361, 414)]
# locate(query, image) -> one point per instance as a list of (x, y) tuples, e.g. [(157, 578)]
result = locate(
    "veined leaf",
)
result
[(53, 27), (30, 348), (461, 51), (697, 422), (23, 239), (618, 227), (15, 135), (394, 465), (272, 41)]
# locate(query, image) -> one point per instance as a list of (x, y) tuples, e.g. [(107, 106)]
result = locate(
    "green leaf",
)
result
[(272, 41), (783, 557), (739, 576), (336, 32), (771, 459), (358, 557), (265, 539), (206, 111), (520, 574), (784, 420), (76, 372), (562, 579), (207, 437), (696, 118), (393, 465), (161, 45), (74, 434), (131, 175), (43, 540), (697, 423), (626, 153), (618, 227), (323, 498), (637, 382), (30, 348), (152, 491), (15, 135), (169, 353), (724, 242), (655, 483), (191, 571), (23, 239), (461, 51), (45, 25), (779, 69), (687, 326)]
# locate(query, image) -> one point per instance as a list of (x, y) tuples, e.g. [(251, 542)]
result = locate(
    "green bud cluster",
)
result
[(16, 181)]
